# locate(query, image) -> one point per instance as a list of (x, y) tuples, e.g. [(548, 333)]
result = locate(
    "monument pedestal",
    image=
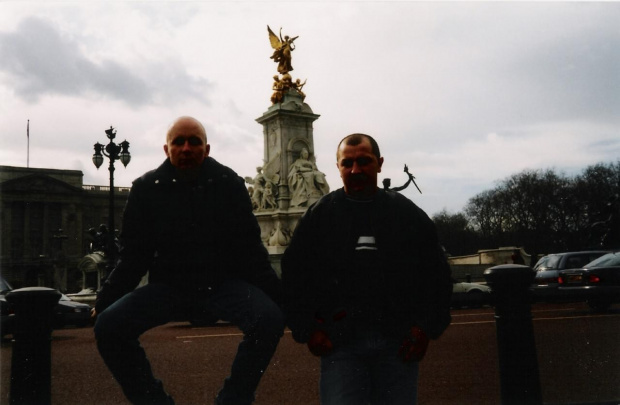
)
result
[(288, 182)]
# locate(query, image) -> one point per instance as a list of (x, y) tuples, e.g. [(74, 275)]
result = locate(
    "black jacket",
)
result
[(411, 279), (191, 237)]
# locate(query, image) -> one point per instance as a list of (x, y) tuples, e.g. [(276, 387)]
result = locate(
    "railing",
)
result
[(105, 188)]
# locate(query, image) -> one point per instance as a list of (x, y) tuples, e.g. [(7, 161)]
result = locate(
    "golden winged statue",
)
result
[(282, 50)]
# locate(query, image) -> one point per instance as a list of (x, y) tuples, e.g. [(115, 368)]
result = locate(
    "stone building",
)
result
[(44, 220)]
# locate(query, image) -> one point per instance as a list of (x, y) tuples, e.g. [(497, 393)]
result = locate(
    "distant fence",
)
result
[(105, 188)]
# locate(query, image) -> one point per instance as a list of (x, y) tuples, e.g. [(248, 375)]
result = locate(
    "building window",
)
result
[(36, 228), (18, 221)]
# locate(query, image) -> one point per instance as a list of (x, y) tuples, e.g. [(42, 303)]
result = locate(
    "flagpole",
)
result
[(28, 148)]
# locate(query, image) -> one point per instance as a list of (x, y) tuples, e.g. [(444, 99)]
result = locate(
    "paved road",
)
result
[(578, 351)]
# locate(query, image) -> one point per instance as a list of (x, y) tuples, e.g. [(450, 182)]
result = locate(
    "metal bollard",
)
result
[(518, 364), (32, 352)]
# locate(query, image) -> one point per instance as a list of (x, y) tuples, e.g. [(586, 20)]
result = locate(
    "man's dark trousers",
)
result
[(118, 328)]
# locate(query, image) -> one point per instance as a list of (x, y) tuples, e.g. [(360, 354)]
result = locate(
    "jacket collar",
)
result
[(167, 173), (379, 196)]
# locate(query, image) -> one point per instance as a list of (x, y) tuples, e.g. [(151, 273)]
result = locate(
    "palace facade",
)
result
[(44, 222)]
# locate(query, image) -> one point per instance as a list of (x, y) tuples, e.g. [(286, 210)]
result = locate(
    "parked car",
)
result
[(471, 295), (598, 282), (6, 312), (69, 312), (547, 269), (66, 312)]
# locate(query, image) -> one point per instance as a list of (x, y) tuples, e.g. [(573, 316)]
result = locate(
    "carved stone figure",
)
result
[(282, 51), (258, 186), (305, 181), (269, 196), (263, 191), (279, 236)]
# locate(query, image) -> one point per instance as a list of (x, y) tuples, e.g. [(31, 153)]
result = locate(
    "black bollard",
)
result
[(32, 350), (518, 364)]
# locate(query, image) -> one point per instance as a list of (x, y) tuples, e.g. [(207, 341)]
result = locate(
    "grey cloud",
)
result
[(574, 73), (513, 64), (40, 61), (578, 76), (607, 147)]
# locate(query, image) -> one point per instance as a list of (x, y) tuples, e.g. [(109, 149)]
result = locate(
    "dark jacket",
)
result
[(411, 283), (192, 237)]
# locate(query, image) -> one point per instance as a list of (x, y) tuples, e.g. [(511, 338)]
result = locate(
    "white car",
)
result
[(472, 295)]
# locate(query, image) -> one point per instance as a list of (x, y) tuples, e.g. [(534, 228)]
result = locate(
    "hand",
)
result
[(93, 313), (414, 346), (319, 343)]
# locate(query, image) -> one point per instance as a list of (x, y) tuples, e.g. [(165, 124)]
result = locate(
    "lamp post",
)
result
[(113, 152)]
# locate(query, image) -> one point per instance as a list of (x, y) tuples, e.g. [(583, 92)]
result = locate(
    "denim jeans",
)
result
[(367, 370), (118, 328)]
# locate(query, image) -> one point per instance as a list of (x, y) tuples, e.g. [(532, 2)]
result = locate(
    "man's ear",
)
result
[(166, 150), (380, 164), (207, 150)]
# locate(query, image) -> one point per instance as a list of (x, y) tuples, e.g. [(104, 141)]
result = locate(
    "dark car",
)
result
[(69, 312), (66, 312), (598, 282), (547, 271), (6, 325)]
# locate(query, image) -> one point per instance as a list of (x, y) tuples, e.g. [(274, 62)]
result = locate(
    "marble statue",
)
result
[(305, 181), (269, 196), (263, 191), (257, 189)]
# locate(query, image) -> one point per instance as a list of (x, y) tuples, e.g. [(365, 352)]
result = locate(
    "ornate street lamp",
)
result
[(113, 152)]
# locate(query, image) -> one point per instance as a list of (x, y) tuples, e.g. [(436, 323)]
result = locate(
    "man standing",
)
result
[(189, 223), (366, 284)]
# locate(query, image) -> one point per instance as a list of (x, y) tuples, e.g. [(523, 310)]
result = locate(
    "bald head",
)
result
[(186, 143), (186, 120)]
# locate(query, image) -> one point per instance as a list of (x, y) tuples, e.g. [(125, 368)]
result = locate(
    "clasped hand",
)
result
[(414, 346), (319, 343)]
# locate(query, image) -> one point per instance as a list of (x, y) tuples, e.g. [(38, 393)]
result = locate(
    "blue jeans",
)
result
[(367, 370), (118, 328)]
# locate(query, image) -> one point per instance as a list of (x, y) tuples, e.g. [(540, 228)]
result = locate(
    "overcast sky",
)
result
[(464, 93)]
